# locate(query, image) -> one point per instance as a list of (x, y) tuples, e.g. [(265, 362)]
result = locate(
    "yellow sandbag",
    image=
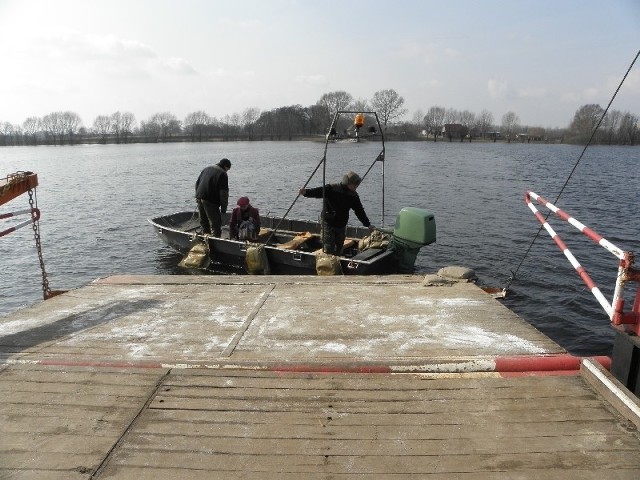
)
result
[(197, 257), (377, 239), (295, 243), (256, 260), (327, 264)]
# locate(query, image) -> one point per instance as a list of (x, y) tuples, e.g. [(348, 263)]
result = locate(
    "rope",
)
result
[(593, 133), (296, 199)]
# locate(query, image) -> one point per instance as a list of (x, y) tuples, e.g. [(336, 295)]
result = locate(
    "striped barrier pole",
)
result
[(506, 366), (35, 216), (626, 259)]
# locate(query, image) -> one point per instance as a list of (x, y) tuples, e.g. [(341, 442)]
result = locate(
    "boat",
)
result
[(294, 247)]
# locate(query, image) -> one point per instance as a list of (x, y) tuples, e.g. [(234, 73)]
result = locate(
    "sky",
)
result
[(541, 60)]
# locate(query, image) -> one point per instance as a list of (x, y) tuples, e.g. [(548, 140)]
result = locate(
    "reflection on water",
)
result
[(95, 202)]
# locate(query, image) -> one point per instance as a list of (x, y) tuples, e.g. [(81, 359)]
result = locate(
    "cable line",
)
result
[(593, 133)]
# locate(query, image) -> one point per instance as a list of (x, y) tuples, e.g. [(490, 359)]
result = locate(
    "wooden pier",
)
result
[(201, 377)]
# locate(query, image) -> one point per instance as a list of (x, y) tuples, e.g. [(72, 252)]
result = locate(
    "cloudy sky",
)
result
[(541, 60)]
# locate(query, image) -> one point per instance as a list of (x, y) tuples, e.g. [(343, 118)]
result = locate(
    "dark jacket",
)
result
[(238, 216), (339, 200), (213, 185)]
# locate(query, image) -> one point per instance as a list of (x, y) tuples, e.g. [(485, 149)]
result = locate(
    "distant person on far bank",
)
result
[(212, 196), (340, 198), (245, 221)]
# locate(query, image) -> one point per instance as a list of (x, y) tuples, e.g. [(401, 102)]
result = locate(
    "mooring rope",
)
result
[(593, 133)]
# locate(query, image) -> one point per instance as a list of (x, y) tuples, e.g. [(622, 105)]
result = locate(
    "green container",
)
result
[(415, 226)]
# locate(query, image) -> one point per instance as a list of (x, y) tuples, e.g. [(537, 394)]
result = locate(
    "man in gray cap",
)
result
[(212, 196), (339, 199)]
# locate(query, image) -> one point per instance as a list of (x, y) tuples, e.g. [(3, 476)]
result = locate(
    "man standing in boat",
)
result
[(212, 196), (339, 198)]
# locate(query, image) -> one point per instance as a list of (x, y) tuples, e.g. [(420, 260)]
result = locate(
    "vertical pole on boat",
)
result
[(381, 157)]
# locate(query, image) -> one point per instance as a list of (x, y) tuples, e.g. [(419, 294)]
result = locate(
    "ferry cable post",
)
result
[(11, 187), (359, 121), (593, 133), (625, 365)]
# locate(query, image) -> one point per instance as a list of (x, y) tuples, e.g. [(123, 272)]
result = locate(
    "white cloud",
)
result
[(532, 92), (591, 93), (497, 88), (430, 53), (312, 79), (570, 97), (73, 45), (177, 65)]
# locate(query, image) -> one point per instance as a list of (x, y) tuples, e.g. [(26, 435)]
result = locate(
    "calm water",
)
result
[(95, 202)]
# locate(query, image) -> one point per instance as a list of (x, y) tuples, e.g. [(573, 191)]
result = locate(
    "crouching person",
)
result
[(245, 221)]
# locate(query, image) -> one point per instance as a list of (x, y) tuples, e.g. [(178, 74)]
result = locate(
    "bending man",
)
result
[(340, 198), (212, 196)]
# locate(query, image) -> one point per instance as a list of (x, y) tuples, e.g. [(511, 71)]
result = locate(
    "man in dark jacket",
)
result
[(212, 196), (339, 198)]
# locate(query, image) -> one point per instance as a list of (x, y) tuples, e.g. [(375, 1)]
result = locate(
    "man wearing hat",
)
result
[(245, 221), (339, 199), (212, 196)]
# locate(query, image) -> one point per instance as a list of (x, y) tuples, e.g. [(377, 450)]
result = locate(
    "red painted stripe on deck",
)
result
[(544, 363)]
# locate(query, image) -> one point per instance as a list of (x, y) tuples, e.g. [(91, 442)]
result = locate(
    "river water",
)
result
[(95, 201)]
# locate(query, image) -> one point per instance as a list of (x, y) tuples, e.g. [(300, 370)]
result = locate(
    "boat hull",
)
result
[(180, 231)]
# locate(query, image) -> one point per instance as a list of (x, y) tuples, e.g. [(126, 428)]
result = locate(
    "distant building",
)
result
[(451, 129)]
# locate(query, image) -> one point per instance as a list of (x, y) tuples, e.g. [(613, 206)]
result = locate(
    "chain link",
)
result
[(11, 180), (46, 291)]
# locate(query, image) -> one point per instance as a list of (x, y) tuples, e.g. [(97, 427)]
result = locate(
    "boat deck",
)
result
[(192, 377)]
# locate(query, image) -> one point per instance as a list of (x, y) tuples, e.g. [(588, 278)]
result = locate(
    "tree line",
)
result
[(296, 122)]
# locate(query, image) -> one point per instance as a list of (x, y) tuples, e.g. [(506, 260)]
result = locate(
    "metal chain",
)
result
[(46, 291)]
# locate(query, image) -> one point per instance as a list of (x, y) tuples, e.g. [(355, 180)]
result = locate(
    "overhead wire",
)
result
[(591, 137)]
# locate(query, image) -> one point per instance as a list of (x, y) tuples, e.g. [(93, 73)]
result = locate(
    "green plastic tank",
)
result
[(415, 226)]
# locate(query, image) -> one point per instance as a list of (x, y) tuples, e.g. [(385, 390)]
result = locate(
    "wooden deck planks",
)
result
[(258, 410), (260, 424), (55, 420)]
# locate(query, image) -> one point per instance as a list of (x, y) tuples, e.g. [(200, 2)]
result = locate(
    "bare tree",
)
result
[(388, 104), (128, 120), (510, 123), (102, 127), (451, 115), (334, 101), (584, 122), (195, 124), (31, 126), (610, 125), (434, 121), (361, 105), (116, 125), (629, 128), (52, 126), (467, 120), (6, 132), (484, 122), (249, 118), (167, 124)]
